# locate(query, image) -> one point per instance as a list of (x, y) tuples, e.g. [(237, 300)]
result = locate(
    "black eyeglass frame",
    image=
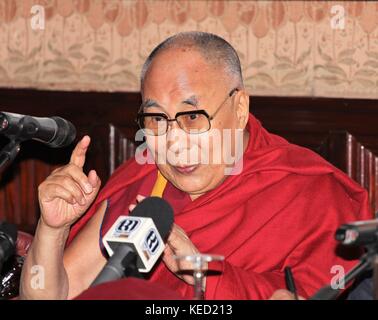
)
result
[(141, 115)]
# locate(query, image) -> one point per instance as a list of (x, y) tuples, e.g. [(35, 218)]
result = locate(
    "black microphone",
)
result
[(358, 233), (326, 293), (8, 238), (136, 241), (56, 132)]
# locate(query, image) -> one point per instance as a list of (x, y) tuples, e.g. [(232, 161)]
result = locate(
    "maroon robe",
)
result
[(281, 210)]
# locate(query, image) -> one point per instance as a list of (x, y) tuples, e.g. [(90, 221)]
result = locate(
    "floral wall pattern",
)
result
[(287, 48)]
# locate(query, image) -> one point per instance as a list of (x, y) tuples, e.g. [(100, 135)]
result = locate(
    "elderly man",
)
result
[(266, 205)]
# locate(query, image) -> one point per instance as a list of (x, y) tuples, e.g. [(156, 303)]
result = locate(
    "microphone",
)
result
[(56, 132), (358, 233), (8, 238), (137, 240), (326, 293)]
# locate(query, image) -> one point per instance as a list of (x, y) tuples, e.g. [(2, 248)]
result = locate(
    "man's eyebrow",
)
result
[(192, 100), (149, 103)]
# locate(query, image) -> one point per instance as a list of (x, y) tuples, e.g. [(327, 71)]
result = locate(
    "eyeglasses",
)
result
[(193, 122)]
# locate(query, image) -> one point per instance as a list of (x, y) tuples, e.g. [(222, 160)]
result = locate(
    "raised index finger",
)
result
[(78, 154)]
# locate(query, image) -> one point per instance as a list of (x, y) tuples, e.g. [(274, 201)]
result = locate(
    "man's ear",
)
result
[(242, 108)]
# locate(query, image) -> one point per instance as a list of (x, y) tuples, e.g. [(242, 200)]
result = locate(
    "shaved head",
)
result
[(216, 51)]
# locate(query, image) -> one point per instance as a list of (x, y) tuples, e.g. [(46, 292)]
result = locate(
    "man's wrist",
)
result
[(51, 232)]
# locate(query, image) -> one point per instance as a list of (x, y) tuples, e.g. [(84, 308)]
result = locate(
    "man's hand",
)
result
[(178, 244), (67, 193)]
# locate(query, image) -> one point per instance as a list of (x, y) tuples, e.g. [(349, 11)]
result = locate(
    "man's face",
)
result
[(180, 80)]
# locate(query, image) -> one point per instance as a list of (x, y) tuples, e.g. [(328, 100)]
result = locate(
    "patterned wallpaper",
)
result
[(300, 48)]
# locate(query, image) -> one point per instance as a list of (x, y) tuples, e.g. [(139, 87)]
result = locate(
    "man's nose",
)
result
[(173, 124), (175, 134)]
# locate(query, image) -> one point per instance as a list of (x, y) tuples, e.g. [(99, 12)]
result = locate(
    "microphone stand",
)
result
[(367, 262), (8, 154), (375, 277), (10, 151)]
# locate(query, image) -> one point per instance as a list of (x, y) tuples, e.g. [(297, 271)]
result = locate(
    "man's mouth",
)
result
[(186, 169)]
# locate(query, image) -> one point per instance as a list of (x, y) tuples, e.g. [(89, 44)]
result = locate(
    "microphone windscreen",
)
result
[(159, 211), (66, 133)]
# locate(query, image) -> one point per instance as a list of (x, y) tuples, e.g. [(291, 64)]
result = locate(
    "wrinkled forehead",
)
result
[(180, 73)]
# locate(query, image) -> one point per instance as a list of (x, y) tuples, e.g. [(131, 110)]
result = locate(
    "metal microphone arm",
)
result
[(10, 151), (8, 154), (366, 263)]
